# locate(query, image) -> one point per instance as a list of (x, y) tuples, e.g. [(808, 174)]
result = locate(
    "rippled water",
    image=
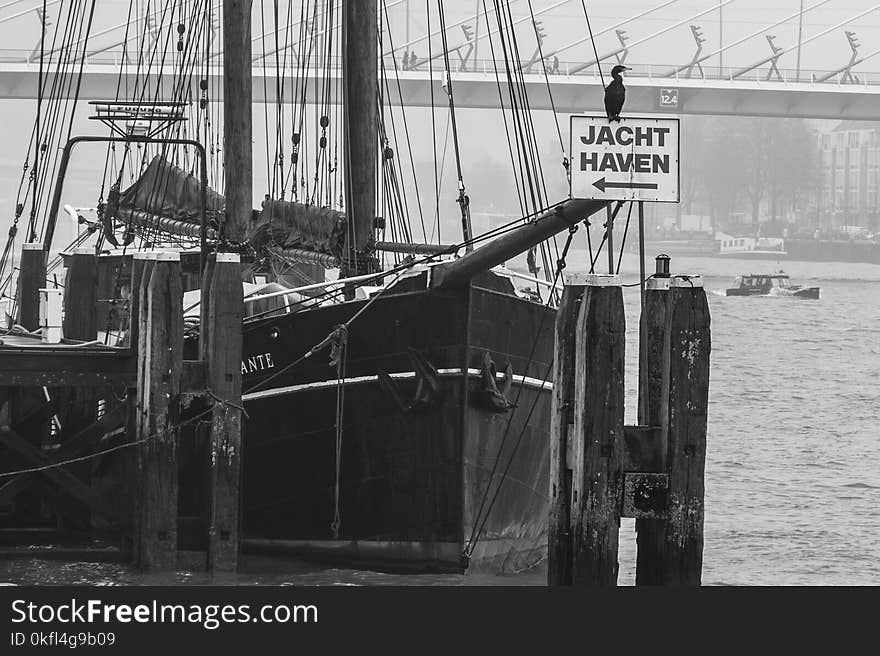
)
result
[(793, 459), (793, 456)]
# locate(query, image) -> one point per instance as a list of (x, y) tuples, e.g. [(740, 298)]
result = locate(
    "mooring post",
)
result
[(561, 425), (684, 428), (598, 444), (223, 356), (80, 322), (32, 277), (141, 268), (160, 359), (138, 267), (652, 339), (81, 296), (676, 385)]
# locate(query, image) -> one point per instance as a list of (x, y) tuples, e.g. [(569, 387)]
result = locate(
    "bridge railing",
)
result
[(571, 69)]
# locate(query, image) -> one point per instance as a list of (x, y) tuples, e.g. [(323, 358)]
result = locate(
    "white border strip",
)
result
[(528, 381)]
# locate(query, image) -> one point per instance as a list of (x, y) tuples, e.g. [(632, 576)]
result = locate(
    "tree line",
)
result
[(761, 168)]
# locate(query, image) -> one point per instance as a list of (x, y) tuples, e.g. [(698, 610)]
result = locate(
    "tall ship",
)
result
[(396, 390)]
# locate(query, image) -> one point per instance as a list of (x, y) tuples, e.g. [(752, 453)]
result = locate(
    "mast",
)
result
[(360, 74), (237, 128)]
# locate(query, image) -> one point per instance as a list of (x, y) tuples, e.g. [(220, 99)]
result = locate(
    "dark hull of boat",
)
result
[(415, 482)]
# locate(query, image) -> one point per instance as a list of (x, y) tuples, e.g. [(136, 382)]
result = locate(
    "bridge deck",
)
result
[(748, 95)]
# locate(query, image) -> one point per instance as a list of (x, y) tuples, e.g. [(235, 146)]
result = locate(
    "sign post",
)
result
[(631, 159)]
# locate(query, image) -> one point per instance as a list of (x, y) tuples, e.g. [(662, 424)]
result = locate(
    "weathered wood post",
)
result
[(598, 445), (81, 296), (139, 267), (221, 349), (670, 550), (32, 277), (684, 428), (160, 361), (80, 404), (561, 426), (652, 339)]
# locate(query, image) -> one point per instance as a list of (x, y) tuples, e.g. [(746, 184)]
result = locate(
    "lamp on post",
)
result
[(662, 266)]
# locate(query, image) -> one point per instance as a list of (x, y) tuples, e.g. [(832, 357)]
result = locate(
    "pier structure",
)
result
[(601, 469), (135, 440)]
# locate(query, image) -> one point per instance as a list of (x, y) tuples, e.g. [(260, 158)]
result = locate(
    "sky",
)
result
[(19, 26), (482, 136)]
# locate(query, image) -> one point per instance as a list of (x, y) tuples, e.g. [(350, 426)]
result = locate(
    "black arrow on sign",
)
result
[(601, 185)]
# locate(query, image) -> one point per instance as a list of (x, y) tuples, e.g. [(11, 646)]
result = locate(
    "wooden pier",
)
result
[(91, 434), (602, 470)]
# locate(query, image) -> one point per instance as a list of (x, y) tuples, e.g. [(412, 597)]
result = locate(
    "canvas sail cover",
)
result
[(168, 191), (296, 225)]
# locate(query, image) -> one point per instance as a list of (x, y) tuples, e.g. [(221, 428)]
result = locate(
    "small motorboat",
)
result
[(770, 284)]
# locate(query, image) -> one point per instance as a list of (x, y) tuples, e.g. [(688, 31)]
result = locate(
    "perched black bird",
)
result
[(615, 94)]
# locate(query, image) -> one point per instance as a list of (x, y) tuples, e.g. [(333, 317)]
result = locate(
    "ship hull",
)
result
[(431, 469)]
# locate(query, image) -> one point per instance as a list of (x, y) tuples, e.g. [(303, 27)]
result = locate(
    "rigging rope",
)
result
[(593, 41), (480, 524), (463, 199)]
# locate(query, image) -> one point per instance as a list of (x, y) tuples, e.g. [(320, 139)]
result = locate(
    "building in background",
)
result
[(849, 176)]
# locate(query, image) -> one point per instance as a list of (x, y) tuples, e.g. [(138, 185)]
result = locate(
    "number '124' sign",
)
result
[(669, 98)]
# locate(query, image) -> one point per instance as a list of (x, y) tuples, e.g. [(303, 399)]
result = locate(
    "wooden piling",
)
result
[(223, 355), (32, 277), (80, 296), (652, 340), (561, 425), (598, 446), (139, 265), (684, 428), (160, 358), (676, 376), (80, 322)]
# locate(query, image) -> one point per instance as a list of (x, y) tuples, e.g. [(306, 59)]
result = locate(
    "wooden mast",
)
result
[(360, 45), (237, 128)]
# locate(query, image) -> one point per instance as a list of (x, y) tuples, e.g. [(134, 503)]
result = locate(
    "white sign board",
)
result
[(631, 159)]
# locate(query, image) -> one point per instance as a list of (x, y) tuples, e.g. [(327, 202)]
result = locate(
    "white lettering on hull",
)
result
[(256, 363)]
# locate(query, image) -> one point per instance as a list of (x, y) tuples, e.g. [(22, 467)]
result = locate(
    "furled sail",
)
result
[(295, 225), (168, 198), (168, 191)]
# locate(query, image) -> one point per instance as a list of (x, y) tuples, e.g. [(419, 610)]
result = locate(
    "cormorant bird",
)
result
[(615, 94)]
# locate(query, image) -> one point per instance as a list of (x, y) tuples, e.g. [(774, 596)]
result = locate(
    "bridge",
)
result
[(761, 88), (648, 91)]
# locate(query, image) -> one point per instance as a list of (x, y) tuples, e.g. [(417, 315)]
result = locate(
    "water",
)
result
[(793, 458)]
